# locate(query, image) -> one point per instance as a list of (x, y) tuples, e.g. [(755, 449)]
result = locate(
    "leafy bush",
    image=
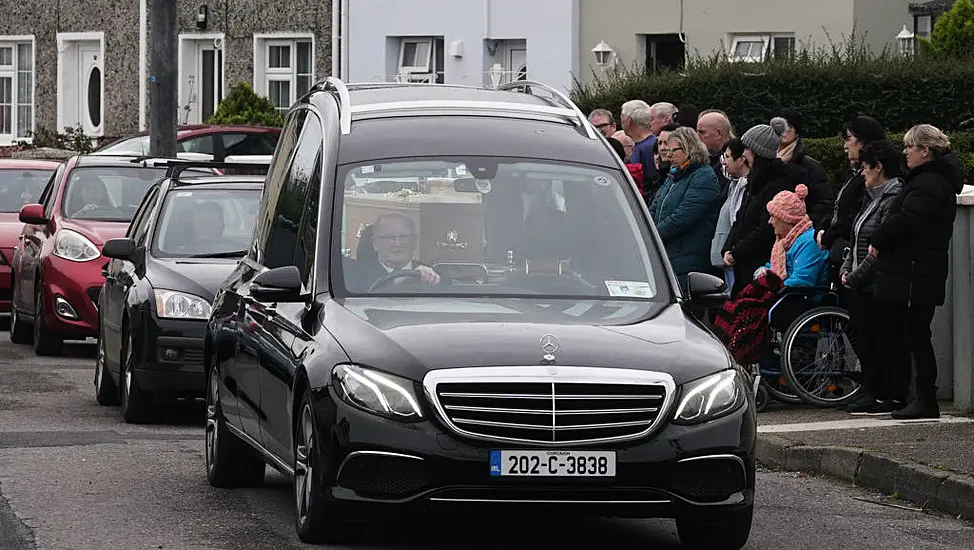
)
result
[(73, 139), (243, 107), (953, 34), (825, 87), (830, 153)]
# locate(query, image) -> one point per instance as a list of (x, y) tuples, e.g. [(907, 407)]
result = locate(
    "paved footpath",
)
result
[(927, 462), (74, 476)]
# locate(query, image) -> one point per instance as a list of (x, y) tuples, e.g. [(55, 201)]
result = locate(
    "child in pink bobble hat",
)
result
[(795, 257)]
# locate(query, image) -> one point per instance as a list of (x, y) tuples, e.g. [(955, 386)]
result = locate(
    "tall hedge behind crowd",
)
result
[(825, 87)]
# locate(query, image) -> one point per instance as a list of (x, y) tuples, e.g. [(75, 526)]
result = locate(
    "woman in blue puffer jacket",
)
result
[(685, 208)]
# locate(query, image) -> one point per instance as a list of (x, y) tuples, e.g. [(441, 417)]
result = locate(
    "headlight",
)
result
[(380, 393), (74, 246), (179, 305), (710, 397)]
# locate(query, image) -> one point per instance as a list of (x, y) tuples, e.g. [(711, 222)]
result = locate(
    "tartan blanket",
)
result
[(742, 324)]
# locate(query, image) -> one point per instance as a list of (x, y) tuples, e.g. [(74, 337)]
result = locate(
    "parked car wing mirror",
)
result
[(706, 290), (33, 214), (281, 284), (120, 249)]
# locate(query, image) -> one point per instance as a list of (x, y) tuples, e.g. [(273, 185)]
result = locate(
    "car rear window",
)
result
[(20, 187)]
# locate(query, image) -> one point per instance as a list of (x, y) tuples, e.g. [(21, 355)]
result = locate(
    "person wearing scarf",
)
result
[(795, 257)]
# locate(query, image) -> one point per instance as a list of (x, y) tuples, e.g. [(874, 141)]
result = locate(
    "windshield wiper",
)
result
[(230, 254)]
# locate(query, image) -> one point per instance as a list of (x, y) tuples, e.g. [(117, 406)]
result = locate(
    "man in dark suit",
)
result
[(393, 239)]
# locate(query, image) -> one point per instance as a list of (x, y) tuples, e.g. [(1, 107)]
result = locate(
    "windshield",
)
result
[(20, 187), (107, 193), (197, 223), (494, 227)]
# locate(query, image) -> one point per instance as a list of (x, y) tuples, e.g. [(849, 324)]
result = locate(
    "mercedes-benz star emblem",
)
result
[(549, 344)]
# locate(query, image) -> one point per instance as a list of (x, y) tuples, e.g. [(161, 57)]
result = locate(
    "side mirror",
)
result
[(281, 284), (706, 290), (33, 214), (120, 249)]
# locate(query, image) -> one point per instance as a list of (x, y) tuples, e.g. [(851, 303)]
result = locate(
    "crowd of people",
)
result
[(758, 208)]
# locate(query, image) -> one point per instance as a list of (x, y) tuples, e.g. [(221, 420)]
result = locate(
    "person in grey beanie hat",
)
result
[(764, 139), (748, 245)]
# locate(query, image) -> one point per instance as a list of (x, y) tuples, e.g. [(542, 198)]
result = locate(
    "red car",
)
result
[(21, 182), (218, 141), (57, 267)]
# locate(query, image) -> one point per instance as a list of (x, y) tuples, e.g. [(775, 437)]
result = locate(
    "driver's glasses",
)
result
[(393, 238)]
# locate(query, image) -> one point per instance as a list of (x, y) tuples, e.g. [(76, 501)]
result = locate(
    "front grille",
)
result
[(193, 356), (551, 412)]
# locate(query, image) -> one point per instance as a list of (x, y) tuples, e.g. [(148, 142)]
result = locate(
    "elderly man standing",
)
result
[(604, 121), (715, 130), (638, 126), (662, 114)]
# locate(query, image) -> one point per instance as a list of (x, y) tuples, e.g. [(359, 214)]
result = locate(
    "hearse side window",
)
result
[(305, 251), (282, 239)]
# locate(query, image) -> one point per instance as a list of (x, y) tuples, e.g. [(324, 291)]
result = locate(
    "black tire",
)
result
[(106, 391), (20, 332), (315, 515), (761, 398), (230, 463), (716, 530), (137, 405), (788, 340), (46, 341)]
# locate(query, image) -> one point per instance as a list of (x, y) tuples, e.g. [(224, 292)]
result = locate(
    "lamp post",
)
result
[(907, 42)]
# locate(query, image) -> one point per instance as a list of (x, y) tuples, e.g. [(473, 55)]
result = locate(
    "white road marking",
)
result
[(856, 423)]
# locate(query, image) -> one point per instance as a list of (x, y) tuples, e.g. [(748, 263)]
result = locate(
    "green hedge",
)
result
[(826, 89), (830, 153)]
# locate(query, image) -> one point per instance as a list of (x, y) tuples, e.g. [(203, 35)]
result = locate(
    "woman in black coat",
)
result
[(911, 249), (748, 245)]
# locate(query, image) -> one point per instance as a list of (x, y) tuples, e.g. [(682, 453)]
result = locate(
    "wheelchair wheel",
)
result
[(818, 358)]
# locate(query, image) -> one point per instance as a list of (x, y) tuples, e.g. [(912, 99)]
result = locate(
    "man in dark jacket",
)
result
[(792, 150), (833, 233)]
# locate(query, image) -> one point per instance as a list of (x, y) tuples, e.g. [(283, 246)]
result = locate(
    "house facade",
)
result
[(662, 34), (473, 42), (71, 63)]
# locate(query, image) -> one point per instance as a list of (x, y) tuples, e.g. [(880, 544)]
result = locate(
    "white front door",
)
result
[(90, 72), (209, 74)]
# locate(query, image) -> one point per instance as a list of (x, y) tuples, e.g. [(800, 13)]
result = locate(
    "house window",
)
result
[(420, 60), (16, 90), (285, 69), (924, 26), (752, 48)]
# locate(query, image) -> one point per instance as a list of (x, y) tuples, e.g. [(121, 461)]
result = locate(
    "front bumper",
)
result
[(371, 462), (70, 295), (6, 289), (173, 359)]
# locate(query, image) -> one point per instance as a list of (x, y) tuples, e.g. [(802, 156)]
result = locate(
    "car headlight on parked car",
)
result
[(179, 305), (710, 397), (380, 393), (74, 246)]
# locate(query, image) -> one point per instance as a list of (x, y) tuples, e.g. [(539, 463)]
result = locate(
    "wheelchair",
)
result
[(812, 358)]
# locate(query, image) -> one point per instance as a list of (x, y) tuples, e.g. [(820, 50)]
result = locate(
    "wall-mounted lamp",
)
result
[(906, 42), (201, 17), (604, 54)]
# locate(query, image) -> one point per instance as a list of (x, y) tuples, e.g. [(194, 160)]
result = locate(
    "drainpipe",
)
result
[(335, 37), (344, 41)]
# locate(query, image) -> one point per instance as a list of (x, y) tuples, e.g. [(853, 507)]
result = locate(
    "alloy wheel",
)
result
[(126, 366), (304, 464), (212, 411)]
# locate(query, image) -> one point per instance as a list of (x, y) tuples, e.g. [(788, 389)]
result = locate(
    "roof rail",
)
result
[(335, 84), (177, 167), (558, 96), (382, 84)]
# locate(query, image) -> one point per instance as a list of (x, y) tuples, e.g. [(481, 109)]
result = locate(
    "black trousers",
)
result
[(920, 337), (882, 344)]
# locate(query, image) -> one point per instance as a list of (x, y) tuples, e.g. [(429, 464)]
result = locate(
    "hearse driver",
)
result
[(394, 242)]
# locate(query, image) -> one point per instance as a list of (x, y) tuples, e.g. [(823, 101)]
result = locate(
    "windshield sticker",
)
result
[(368, 169), (601, 181), (633, 289), (483, 186)]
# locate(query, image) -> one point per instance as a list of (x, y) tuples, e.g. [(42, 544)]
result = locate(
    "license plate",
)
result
[(553, 463)]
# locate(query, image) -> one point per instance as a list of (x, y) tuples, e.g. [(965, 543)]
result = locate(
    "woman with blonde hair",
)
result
[(686, 206), (910, 248)]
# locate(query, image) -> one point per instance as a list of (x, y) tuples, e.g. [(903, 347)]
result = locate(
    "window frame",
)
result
[(768, 49), (433, 72), (12, 71), (264, 74)]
